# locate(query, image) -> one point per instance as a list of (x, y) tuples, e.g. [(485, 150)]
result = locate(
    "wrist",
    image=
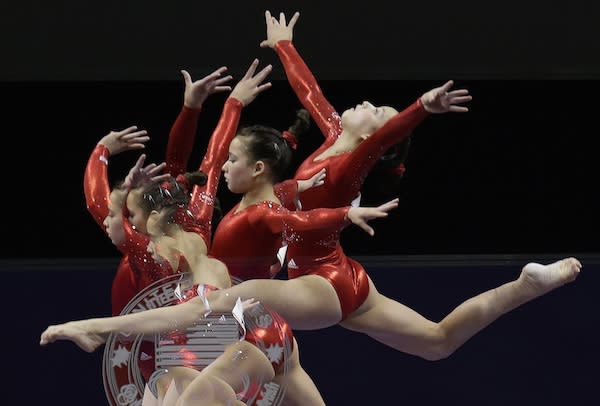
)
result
[(196, 106)]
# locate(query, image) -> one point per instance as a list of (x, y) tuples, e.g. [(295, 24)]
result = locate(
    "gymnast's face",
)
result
[(137, 217), (364, 119), (238, 169), (113, 223)]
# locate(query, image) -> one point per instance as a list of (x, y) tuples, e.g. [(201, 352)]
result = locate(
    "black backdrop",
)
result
[(378, 39), (516, 175)]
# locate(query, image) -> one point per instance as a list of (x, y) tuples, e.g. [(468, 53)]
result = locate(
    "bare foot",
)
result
[(72, 331), (544, 278)]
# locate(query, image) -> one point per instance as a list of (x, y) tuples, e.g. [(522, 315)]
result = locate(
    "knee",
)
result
[(438, 353), (439, 347)]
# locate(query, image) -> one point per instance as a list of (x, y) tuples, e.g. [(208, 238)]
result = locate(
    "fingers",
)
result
[(137, 136), (292, 22), (219, 71), (392, 204), (263, 73), (263, 87), (458, 92), (153, 168), (213, 76), (320, 177), (222, 80), (458, 109), (461, 99), (140, 161), (47, 336), (127, 130), (268, 18), (446, 86), (161, 178), (368, 229), (219, 89), (186, 77), (251, 69)]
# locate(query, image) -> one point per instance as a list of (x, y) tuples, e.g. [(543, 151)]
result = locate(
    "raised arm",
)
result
[(436, 101), (245, 91), (183, 131), (279, 38), (95, 179)]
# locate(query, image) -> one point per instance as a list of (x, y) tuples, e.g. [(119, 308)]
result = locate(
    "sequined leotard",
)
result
[(201, 204), (246, 241), (126, 282), (315, 252)]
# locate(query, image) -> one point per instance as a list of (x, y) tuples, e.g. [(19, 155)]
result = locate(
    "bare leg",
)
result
[(149, 399), (402, 328), (225, 376), (306, 303), (170, 395), (300, 390), (238, 363), (181, 379), (208, 391)]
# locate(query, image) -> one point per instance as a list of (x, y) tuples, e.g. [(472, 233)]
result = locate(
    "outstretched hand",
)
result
[(316, 180), (141, 175), (278, 30), (125, 140), (361, 215), (251, 85), (442, 99), (196, 92), (249, 304)]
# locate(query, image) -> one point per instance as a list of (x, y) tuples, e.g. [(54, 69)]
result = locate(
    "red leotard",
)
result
[(314, 253), (148, 270), (97, 190), (201, 204), (135, 273), (246, 241)]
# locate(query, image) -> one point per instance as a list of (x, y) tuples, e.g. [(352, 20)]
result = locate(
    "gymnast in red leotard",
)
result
[(130, 279), (174, 224), (325, 286)]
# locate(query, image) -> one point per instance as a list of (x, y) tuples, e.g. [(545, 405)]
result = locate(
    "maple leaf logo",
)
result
[(120, 357), (274, 352)]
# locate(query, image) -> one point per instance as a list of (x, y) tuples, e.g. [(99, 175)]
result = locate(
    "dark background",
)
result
[(514, 178)]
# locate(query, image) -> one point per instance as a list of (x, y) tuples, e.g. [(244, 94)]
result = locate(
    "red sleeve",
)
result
[(287, 193), (135, 245), (181, 140), (278, 219), (95, 184), (308, 91), (394, 131), (203, 198)]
